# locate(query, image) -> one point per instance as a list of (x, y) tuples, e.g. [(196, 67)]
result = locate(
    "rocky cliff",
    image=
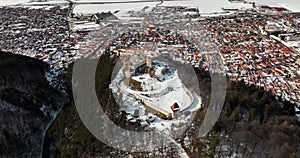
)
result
[(27, 105)]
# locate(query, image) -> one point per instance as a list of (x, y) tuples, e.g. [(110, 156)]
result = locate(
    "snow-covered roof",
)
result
[(163, 94)]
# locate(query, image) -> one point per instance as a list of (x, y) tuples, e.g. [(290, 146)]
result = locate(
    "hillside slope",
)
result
[(27, 105)]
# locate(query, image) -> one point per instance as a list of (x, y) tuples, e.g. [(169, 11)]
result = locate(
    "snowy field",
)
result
[(163, 93), (12, 2), (292, 5), (203, 5), (295, 44)]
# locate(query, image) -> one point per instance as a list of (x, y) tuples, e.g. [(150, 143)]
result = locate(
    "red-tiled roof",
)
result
[(175, 107)]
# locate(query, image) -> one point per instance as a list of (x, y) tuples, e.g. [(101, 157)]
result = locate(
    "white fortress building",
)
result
[(158, 87)]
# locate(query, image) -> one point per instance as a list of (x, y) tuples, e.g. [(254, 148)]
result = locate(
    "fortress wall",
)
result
[(153, 109)]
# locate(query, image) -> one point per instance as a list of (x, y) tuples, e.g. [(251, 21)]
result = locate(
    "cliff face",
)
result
[(27, 105)]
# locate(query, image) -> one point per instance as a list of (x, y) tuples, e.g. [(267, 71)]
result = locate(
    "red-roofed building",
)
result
[(175, 107), (263, 64), (280, 9), (265, 7)]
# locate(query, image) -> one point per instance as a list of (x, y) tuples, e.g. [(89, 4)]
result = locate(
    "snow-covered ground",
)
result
[(86, 26), (162, 94), (203, 5), (94, 8), (295, 44), (12, 2), (292, 5), (208, 6)]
